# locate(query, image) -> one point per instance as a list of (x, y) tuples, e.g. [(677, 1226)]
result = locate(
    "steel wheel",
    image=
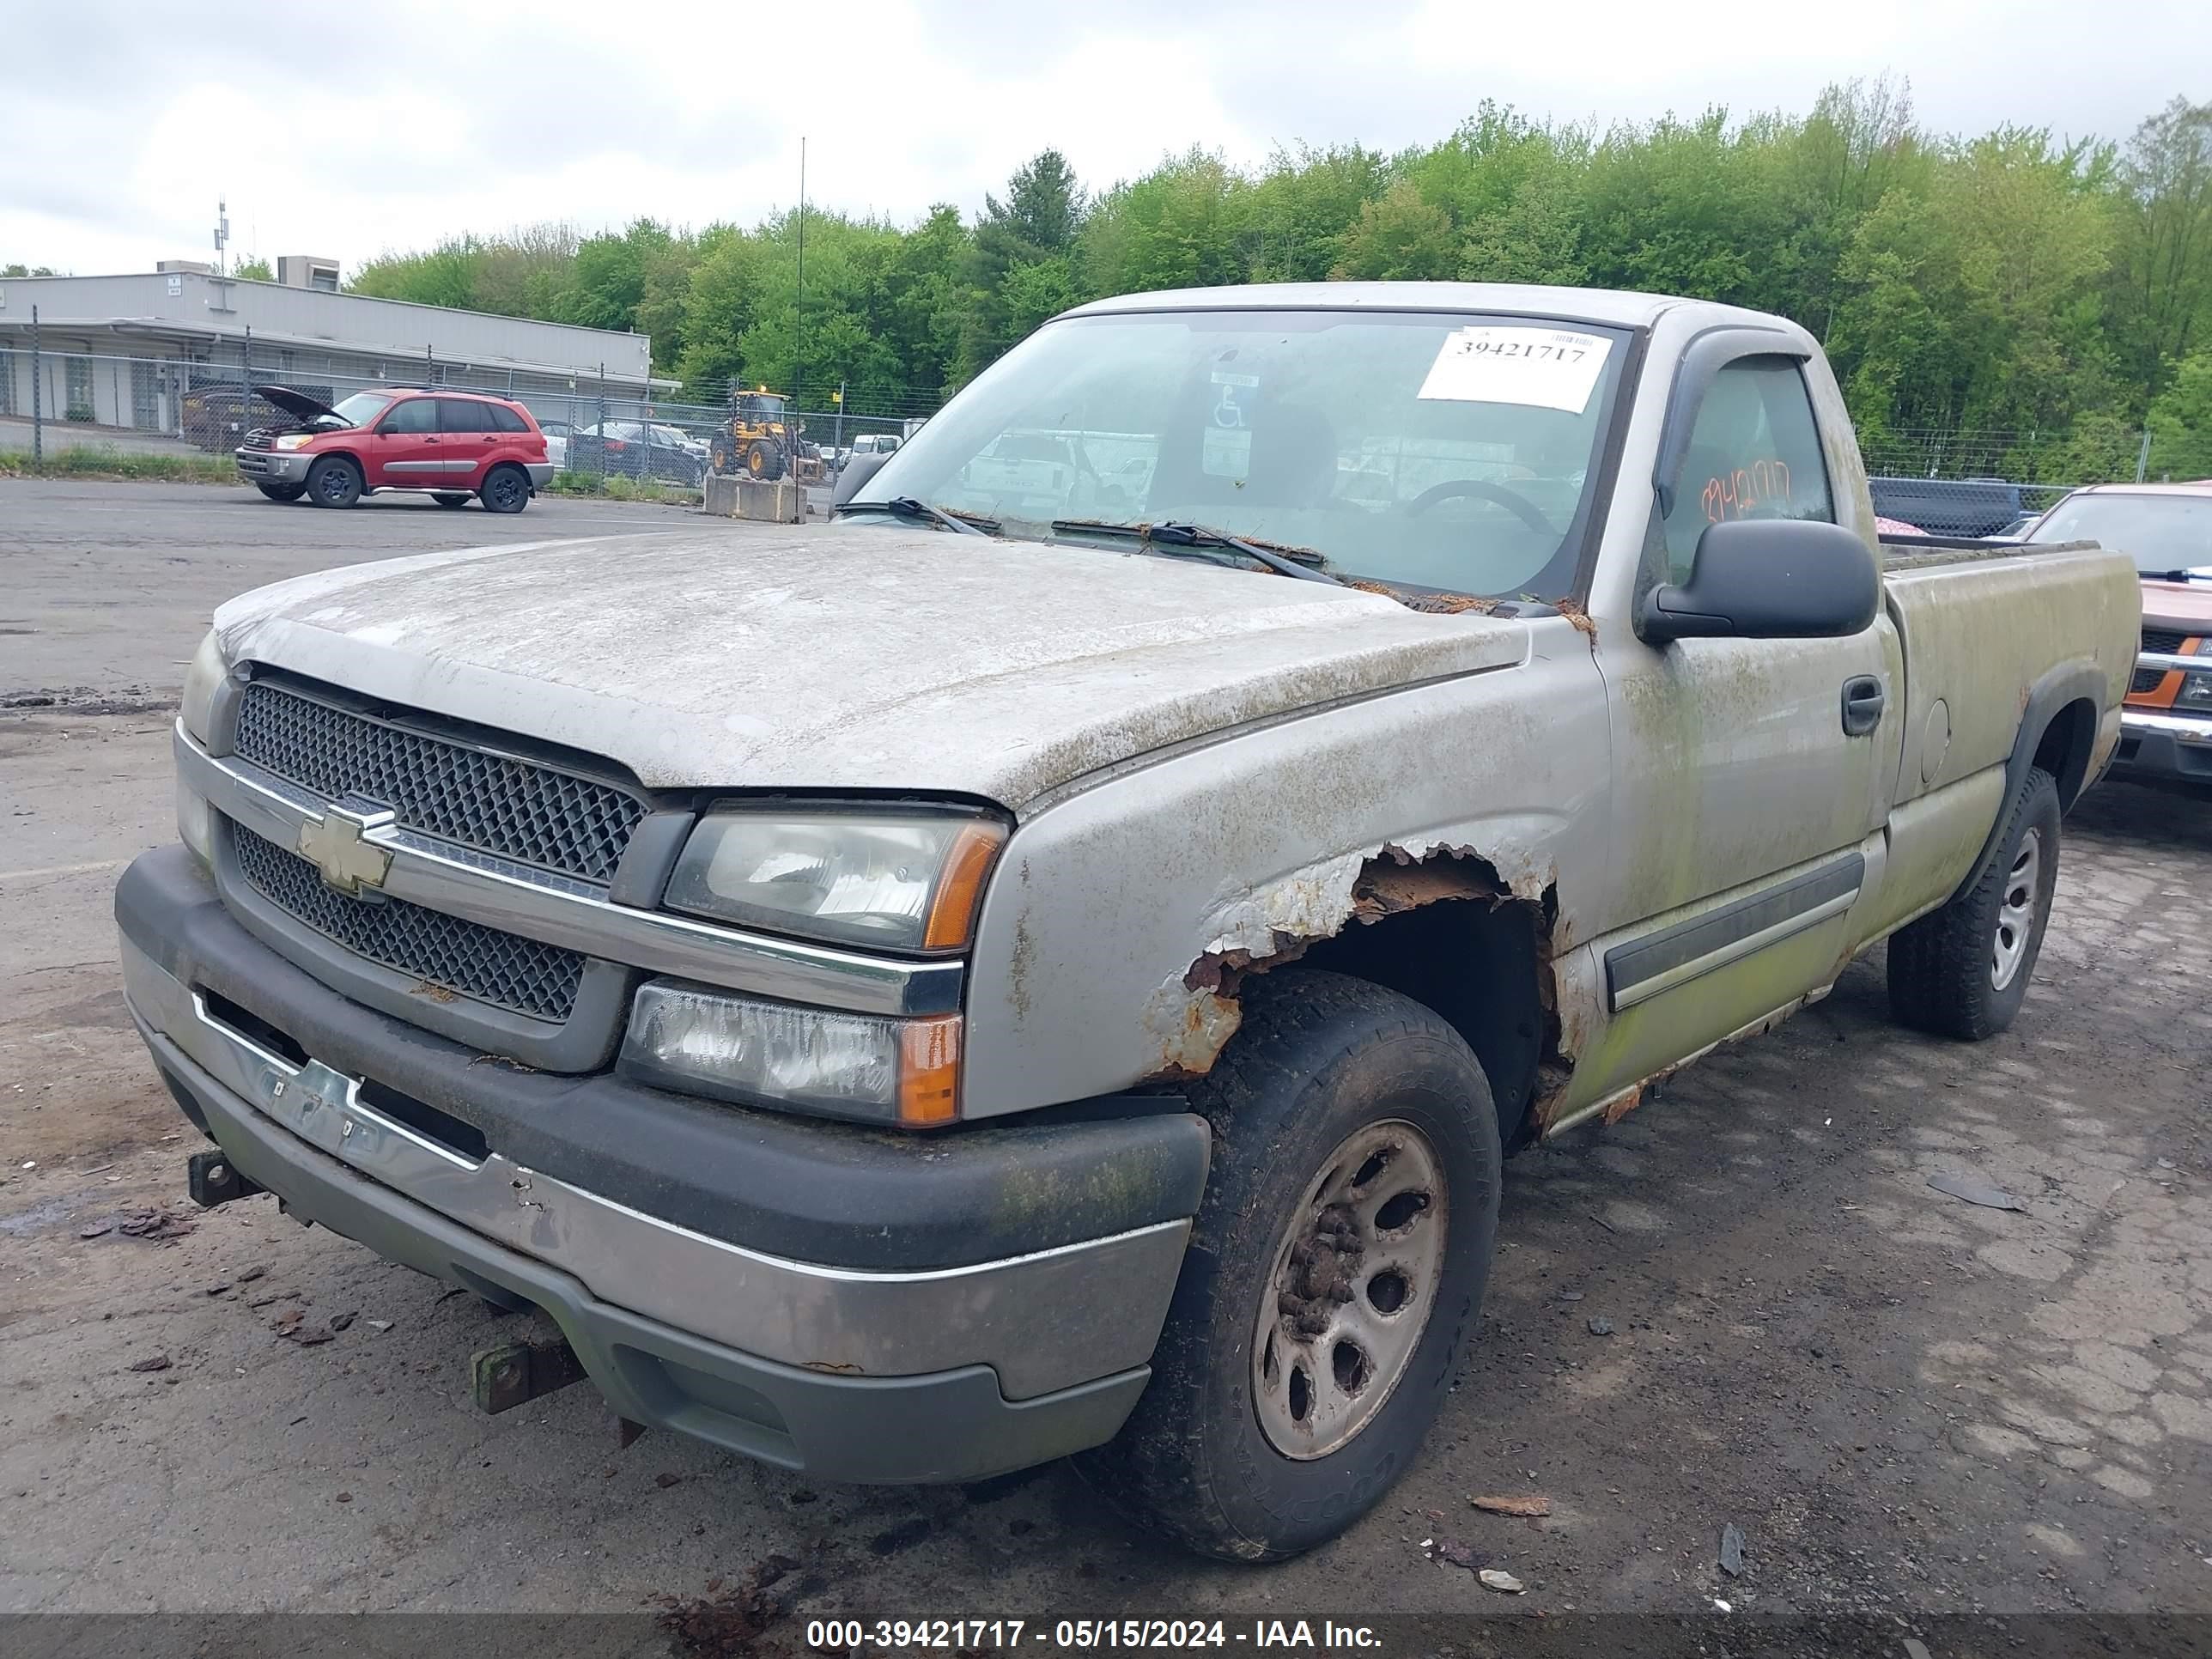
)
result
[(1356, 1275), (2016, 911)]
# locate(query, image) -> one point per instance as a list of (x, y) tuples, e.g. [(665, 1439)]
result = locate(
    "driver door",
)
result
[(1750, 774), (409, 451)]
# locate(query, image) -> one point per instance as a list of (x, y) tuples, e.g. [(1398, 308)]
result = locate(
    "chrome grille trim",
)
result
[(511, 807), (2156, 642)]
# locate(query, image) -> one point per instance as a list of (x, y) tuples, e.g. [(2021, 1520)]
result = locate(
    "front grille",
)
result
[(512, 808), (2164, 640), (446, 953)]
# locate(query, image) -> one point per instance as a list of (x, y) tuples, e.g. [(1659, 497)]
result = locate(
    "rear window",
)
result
[(504, 419), (460, 414)]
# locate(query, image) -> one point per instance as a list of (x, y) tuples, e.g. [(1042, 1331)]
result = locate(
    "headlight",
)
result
[(201, 679), (297, 440), (2196, 688), (909, 880), (852, 1065)]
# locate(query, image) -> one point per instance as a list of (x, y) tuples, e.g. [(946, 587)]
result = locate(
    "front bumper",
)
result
[(2163, 749), (950, 1368), (269, 466)]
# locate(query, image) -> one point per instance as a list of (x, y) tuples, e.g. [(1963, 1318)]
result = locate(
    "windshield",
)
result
[(361, 408), (1446, 450), (2159, 533)]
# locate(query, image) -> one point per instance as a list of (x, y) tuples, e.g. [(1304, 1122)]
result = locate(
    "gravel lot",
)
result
[(1909, 1405)]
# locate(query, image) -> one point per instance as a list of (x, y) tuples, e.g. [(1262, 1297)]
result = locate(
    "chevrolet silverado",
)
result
[(994, 978)]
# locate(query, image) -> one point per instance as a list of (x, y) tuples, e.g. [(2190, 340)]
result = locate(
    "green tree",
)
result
[(446, 276), (1399, 238), (1301, 207), (2181, 421), (2163, 275), (253, 269), (1182, 225), (1034, 228)]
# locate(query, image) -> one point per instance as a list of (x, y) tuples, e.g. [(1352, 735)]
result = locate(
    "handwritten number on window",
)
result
[(1741, 494)]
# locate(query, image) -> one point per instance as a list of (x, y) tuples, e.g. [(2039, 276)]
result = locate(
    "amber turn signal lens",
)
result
[(929, 1071), (960, 888)]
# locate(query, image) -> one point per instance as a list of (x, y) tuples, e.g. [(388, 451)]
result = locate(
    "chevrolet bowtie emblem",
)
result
[(334, 844)]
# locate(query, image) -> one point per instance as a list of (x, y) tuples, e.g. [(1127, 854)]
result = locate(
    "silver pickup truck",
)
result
[(920, 996)]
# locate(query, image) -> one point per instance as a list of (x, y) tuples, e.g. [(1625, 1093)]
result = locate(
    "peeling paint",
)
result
[(1190, 1018), (1189, 1026)]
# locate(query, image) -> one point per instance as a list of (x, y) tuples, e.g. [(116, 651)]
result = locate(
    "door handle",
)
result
[(1862, 705)]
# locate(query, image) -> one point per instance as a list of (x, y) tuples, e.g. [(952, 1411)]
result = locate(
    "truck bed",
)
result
[(1919, 552)]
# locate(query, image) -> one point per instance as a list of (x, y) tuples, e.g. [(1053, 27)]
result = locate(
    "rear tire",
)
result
[(282, 492), (505, 490), (1962, 971), (333, 480), (451, 497), (1354, 1187)]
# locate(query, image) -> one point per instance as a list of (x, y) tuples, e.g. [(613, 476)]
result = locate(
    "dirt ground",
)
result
[(1743, 1305)]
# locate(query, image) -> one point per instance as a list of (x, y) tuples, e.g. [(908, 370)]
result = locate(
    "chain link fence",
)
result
[(53, 401), (1996, 483)]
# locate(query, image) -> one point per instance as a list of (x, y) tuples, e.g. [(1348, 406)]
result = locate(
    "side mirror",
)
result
[(858, 471), (1768, 578)]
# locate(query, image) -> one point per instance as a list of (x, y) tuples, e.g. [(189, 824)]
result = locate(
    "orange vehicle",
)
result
[(2166, 721)]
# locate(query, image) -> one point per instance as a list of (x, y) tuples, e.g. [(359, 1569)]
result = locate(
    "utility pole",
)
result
[(799, 310), (38, 412)]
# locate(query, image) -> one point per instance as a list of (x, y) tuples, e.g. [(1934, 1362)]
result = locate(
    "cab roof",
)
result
[(1613, 307)]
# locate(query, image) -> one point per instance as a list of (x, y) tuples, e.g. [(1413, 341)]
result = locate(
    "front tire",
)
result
[(333, 480), (1963, 970), (507, 490), (1334, 1275)]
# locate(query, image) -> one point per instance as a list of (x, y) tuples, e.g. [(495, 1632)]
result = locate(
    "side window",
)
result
[(459, 415), (1754, 453), (413, 416), (504, 419)]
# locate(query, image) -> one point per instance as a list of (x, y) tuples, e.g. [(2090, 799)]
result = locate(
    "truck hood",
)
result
[(2184, 605), (849, 657)]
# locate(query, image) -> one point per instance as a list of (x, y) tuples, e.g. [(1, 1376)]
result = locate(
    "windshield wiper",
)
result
[(2193, 575), (905, 507), (1177, 534)]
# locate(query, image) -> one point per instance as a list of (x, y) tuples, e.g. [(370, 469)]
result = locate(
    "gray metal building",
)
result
[(122, 351)]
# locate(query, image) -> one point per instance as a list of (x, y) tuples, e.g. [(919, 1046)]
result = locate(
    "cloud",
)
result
[(127, 122)]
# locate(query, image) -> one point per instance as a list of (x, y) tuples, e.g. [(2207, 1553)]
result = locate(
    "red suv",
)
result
[(452, 444)]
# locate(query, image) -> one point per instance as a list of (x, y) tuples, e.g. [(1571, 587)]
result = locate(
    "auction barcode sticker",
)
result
[(1495, 363)]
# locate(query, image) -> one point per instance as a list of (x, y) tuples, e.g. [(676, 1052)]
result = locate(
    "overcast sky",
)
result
[(120, 123)]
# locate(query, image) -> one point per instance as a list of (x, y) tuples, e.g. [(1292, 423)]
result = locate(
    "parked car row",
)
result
[(635, 449)]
